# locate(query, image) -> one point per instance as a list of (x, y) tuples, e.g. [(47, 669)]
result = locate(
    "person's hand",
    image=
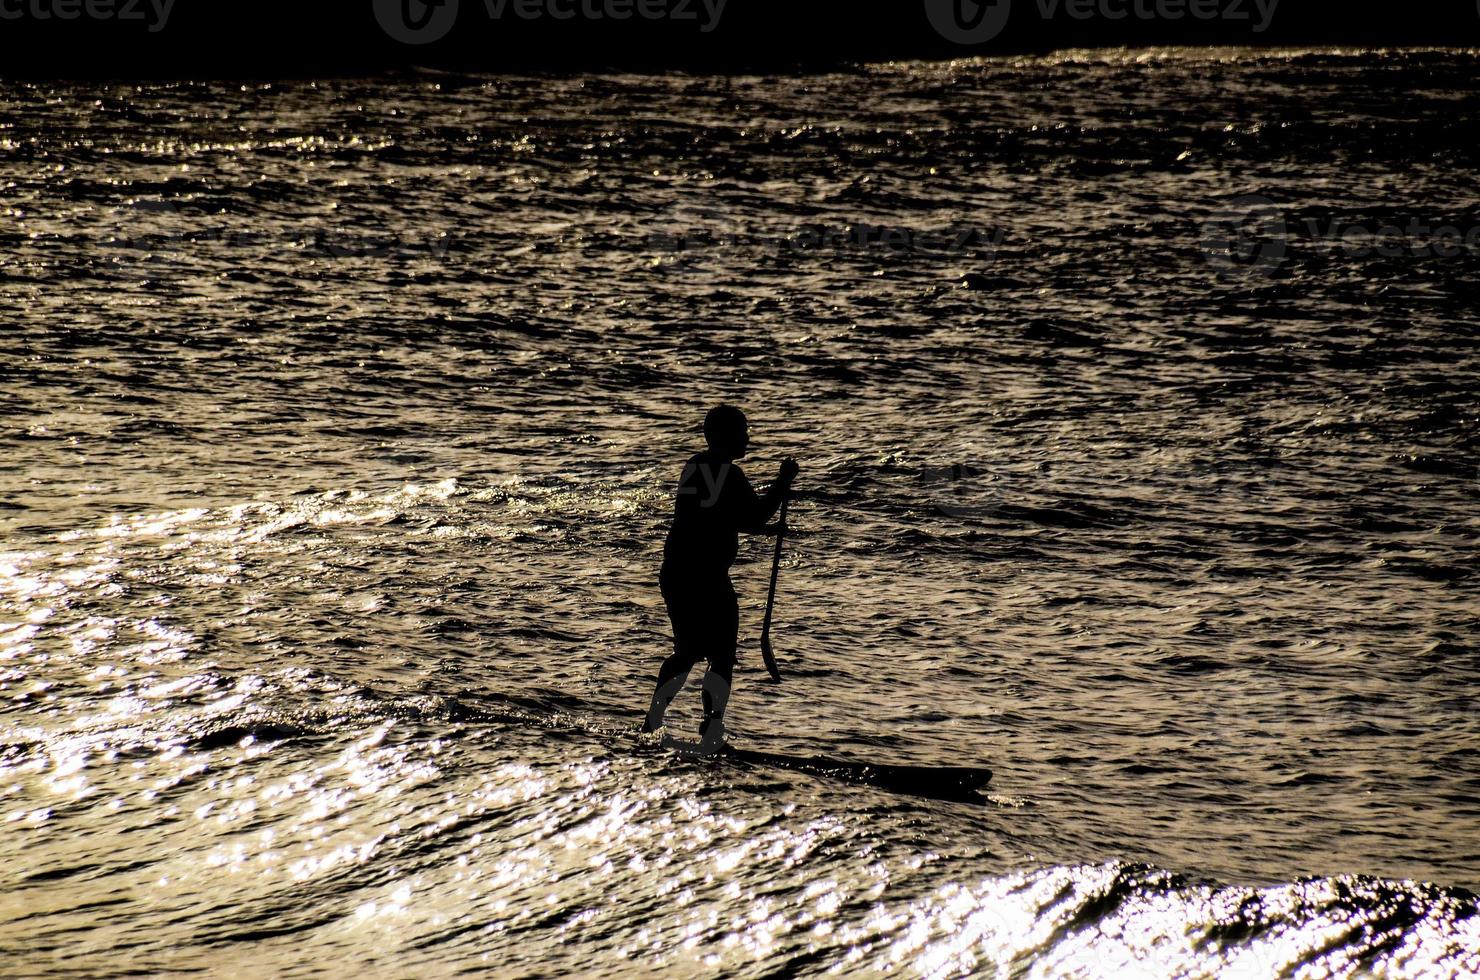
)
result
[(789, 470)]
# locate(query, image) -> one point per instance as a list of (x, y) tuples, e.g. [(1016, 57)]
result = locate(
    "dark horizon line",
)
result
[(372, 68)]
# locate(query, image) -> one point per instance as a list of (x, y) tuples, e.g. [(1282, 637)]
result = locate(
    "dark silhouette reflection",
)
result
[(713, 504)]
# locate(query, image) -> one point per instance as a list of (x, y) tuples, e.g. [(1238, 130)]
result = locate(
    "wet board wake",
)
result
[(958, 783), (953, 783)]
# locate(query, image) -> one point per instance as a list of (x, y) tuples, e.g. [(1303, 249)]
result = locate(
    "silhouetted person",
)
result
[(713, 504)]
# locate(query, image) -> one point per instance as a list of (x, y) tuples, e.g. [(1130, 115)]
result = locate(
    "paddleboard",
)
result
[(954, 783), (960, 783)]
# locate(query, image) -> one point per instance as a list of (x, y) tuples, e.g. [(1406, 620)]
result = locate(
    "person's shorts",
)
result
[(705, 613)]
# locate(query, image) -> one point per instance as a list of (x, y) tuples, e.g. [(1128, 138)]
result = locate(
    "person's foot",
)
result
[(712, 736)]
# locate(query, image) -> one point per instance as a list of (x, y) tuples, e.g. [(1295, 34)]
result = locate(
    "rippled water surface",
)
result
[(342, 419)]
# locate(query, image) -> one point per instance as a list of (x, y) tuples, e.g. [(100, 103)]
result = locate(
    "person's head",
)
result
[(727, 432)]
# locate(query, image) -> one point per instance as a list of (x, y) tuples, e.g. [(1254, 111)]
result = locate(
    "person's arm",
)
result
[(759, 510)]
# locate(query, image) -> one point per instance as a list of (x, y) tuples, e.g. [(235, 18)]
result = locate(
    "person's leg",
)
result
[(675, 669), (716, 697), (671, 677), (719, 678)]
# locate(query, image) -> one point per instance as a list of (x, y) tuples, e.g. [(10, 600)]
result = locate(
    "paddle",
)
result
[(766, 653)]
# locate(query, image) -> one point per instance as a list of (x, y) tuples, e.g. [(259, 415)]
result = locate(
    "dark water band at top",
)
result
[(155, 39)]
